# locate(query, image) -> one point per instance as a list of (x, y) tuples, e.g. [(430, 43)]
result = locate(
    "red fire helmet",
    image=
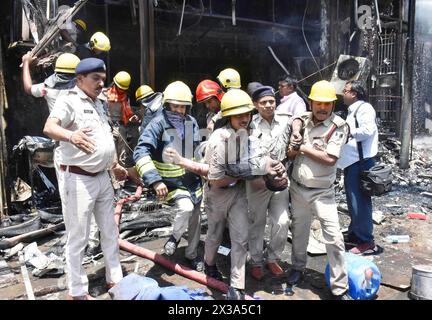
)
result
[(207, 89)]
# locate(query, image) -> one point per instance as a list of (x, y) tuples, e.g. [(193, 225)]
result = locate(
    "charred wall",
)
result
[(422, 77)]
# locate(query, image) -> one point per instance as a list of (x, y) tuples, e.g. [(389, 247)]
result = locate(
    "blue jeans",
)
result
[(359, 204)]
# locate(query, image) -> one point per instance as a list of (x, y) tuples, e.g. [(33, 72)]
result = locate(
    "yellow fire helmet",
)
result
[(66, 63), (323, 91), (100, 41), (229, 78), (81, 23), (236, 101), (179, 93), (143, 92), (122, 80)]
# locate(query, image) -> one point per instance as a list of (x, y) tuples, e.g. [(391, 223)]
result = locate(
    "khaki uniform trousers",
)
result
[(188, 217), (307, 202), (82, 197), (228, 206), (260, 202)]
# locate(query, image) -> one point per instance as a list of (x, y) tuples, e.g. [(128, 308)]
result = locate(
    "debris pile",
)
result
[(420, 171)]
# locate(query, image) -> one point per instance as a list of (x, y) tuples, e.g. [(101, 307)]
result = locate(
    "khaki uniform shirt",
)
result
[(77, 111), (274, 136), (308, 172), (226, 150)]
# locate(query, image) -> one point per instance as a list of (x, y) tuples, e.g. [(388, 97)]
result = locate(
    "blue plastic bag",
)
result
[(364, 277)]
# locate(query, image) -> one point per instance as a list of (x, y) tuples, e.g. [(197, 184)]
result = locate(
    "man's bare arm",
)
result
[(27, 60)]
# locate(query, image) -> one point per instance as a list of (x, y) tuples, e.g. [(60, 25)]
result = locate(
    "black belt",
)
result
[(78, 170)]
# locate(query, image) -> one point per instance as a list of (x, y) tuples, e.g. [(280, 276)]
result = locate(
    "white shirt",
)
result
[(41, 90), (77, 111), (292, 104), (366, 133)]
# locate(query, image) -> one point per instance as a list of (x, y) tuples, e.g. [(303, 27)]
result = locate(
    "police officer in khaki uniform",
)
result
[(226, 196), (268, 126), (79, 120), (311, 189), (228, 163)]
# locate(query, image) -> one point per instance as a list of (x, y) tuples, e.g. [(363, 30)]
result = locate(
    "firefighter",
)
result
[(150, 104), (55, 85), (311, 188), (73, 33), (210, 93), (170, 182), (97, 47), (125, 122), (229, 78)]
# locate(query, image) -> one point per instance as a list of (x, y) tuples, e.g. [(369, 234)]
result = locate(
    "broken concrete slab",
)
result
[(13, 251)]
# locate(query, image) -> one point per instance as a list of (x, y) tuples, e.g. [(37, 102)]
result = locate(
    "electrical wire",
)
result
[(307, 44)]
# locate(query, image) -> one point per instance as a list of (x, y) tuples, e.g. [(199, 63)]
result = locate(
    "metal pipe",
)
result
[(378, 17), (233, 12), (181, 18)]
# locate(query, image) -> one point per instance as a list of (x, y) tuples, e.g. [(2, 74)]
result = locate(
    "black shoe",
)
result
[(235, 294), (196, 264), (294, 277), (170, 246), (343, 296), (213, 272)]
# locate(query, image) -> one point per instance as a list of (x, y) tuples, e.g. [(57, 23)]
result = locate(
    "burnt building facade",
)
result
[(159, 41)]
